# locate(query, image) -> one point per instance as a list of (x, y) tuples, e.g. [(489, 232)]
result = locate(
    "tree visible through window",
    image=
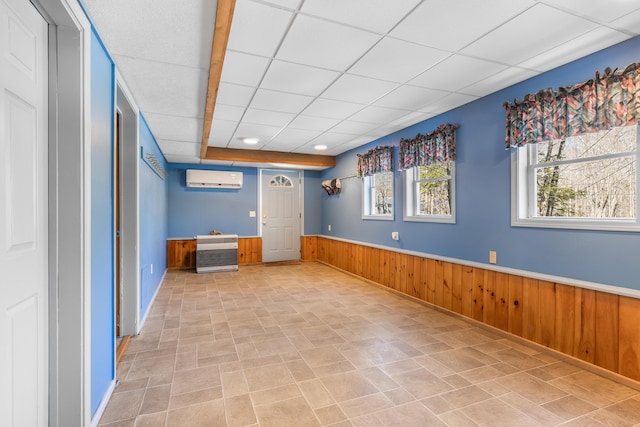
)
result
[(379, 195)]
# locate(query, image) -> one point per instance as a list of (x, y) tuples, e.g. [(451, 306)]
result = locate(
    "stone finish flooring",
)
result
[(306, 345)]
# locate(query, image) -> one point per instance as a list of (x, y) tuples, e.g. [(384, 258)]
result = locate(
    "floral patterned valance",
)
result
[(376, 160), (438, 146), (603, 102)]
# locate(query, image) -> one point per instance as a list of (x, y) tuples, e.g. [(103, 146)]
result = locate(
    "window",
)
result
[(280, 181), (585, 181), (378, 196), (430, 193)]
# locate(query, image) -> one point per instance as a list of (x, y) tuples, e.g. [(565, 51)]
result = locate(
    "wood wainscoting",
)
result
[(181, 253), (597, 327)]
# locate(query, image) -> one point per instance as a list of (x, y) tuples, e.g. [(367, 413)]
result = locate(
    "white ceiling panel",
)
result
[(175, 127), (140, 29), (243, 69), (410, 98), (388, 60), (338, 72), (296, 78), (280, 101), (374, 15), (174, 158), (231, 94), (514, 42), (358, 89), (221, 132), (443, 25), (313, 123), (332, 109), (228, 112), (267, 117), (322, 44), (453, 73), (165, 88), (379, 115), (599, 38), (257, 28)]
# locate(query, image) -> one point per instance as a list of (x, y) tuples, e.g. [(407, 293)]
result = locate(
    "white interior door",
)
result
[(280, 216), (23, 215)]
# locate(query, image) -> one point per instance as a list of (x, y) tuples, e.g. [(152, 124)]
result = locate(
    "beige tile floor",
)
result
[(306, 345)]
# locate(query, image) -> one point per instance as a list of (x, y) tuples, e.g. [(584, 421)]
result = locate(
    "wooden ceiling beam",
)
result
[(224, 16), (263, 156)]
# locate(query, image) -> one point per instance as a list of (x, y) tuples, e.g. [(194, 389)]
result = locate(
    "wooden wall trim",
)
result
[(595, 327), (611, 289)]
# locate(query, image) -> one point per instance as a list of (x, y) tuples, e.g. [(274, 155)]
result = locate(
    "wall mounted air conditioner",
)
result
[(199, 178)]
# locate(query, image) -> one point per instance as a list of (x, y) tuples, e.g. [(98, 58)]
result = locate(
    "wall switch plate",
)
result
[(492, 257), (252, 214), (329, 227), (151, 269)]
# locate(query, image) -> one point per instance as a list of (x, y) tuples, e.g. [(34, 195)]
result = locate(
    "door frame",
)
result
[(69, 239), (300, 174)]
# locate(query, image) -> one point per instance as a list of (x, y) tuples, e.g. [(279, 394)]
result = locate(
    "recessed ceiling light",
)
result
[(250, 141), (320, 147)]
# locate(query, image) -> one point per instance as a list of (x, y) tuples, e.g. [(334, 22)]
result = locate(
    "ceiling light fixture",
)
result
[(250, 141), (320, 147)]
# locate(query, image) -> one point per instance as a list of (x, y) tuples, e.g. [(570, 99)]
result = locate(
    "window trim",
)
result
[(408, 212), (366, 193), (522, 202)]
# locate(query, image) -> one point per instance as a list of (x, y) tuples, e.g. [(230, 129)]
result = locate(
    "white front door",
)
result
[(23, 215), (280, 216)]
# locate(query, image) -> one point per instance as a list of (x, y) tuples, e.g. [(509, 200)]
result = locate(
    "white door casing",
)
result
[(280, 215), (23, 215)]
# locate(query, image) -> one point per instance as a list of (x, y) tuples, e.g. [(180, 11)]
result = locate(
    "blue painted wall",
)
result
[(312, 202), (153, 197), (102, 223), (194, 211), (483, 195)]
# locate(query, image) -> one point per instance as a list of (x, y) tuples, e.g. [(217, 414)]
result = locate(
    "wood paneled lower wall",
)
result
[(597, 327), (182, 253)]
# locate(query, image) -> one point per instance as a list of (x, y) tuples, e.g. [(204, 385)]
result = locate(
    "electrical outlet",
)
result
[(252, 214), (395, 235), (329, 227), (492, 257)]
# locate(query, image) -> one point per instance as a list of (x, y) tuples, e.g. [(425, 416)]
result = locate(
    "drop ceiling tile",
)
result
[(138, 29), (363, 90), (232, 94), (291, 138), (353, 128), (448, 103), (379, 115), (165, 88), (313, 123), (228, 112), (332, 139), (319, 43), (374, 15), (289, 4), (250, 130), (501, 80), (250, 19), (332, 109), (280, 101), (630, 22), (513, 42), (397, 60), (437, 24), (456, 72), (221, 132), (243, 69), (408, 97), (411, 119), (175, 127), (600, 11), (296, 78), (267, 117), (174, 158), (179, 148), (577, 48)]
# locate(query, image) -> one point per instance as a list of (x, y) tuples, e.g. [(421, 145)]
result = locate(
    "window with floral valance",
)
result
[(438, 146), (376, 160), (604, 102)]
